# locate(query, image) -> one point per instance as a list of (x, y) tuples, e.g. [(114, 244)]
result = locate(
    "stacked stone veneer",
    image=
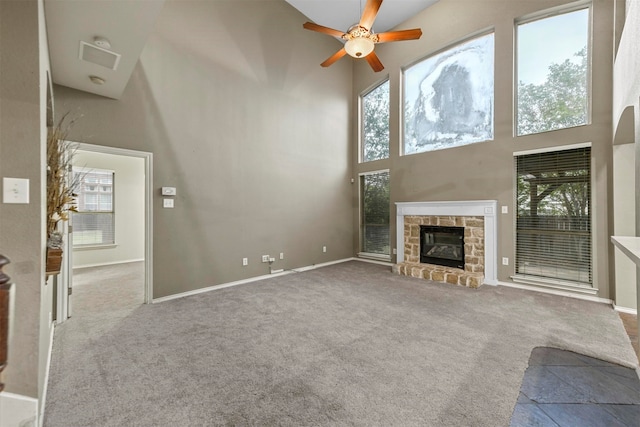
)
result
[(473, 273)]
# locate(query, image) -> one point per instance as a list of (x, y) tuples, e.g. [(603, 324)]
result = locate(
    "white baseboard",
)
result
[(625, 310), (556, 292), (104, 264), (17, 410), (249, 280)]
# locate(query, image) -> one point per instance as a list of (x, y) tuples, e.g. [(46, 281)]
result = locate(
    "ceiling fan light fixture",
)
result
[(359, 47)]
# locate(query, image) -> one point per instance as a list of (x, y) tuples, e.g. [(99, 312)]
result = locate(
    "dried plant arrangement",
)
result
[(61, 183)]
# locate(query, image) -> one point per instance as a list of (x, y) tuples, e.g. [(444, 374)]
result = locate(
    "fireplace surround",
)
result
[(480, 222)]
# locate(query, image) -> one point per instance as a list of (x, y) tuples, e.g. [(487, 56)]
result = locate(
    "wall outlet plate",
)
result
[(167, 203), (505, 261), (265, 258), (245, 261)]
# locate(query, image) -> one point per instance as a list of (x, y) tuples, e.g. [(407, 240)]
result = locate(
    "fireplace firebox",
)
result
[(442, 246)]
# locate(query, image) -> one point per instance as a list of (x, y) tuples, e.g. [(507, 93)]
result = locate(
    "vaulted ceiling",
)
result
[(126, 25)]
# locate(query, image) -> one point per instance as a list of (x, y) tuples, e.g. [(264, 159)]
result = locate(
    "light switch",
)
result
[(167, 203), (15, 190), (168, 191)]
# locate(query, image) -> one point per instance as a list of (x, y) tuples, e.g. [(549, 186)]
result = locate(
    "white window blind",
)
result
[(375, 213), (93, 224), (553, 225)]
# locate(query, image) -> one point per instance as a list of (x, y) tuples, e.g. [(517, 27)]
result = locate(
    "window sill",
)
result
[(376, 257), (94, 247), (564, 285)]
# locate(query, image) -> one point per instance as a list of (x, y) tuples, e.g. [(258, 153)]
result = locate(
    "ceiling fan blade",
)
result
[(369, 13), (333, 58), (374, 61), (394, 36), (322, 29)]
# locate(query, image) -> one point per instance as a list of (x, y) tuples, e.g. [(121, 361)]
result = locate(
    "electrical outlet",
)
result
[(281, 255), (505, 209), (167, 203), (245, 261), (272, 260), (324, 249), (505, 261), (395, 251), (265, 258)]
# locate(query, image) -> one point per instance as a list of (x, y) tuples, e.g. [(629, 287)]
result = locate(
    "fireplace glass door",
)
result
[(442, 246)]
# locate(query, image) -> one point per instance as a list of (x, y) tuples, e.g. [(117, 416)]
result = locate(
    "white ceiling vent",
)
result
[(97, 55)]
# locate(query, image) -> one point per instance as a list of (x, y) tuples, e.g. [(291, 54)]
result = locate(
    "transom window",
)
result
[(93, 224), (552, 72), (448, 97), (375, 123)]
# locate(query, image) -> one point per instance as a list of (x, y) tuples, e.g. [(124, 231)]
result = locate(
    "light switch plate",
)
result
[(15, 190), (168, 191)]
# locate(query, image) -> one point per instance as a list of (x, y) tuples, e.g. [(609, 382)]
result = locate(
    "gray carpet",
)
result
[(349, 344)]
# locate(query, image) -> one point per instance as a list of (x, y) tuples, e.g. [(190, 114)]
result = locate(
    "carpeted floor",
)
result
[(349, 344)]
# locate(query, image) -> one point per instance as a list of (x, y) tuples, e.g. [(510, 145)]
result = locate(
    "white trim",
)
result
[(376, 172), (46, 377), (148, 206), (484, 208), (554, 283), (556, 292), (249, 280), (92, 247), (621, 309), (16, 408), (374, 261), (553, 149), (104, 264)]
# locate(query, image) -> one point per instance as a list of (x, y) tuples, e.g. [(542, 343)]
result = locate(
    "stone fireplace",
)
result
[(461, 235)]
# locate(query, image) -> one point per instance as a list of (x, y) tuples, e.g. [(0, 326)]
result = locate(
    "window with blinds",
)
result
[(93, 224), (553, 225), (375, 212)]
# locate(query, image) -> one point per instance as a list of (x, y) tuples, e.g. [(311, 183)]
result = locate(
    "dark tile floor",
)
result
[(562, 388)]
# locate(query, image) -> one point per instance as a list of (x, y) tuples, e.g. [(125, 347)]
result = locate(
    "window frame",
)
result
[(361, 120), (361, 252), (98, 192), (467, 38), (545, 14), (584, 287)]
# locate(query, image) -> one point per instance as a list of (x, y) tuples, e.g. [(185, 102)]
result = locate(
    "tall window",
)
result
[(375, 213), (448, 98), (375, 123), (93, 224), (552, 72), (553, 226)]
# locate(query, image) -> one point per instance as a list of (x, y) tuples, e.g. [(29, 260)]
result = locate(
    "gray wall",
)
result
[(485, 170), (252, 132), (23, 65)]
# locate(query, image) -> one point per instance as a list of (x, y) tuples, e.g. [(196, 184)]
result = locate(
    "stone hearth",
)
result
[(478, 218)]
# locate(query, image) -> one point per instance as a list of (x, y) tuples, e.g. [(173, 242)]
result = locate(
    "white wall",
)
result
[(128, 206), (624, 222)]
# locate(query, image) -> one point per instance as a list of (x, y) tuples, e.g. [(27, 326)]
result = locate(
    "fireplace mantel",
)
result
[(484, 208)]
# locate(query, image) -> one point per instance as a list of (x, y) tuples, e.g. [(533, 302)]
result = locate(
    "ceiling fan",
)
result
[(360, 39)]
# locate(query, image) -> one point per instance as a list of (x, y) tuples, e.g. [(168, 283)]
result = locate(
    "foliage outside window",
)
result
[(448, 97), (93, 224), (375, 123), (552, 69), (553, 225), (375, 213)]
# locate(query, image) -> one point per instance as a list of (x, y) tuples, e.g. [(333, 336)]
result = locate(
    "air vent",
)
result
[(97, 55)]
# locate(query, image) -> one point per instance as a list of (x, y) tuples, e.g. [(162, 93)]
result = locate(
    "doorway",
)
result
[(110, 267)]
